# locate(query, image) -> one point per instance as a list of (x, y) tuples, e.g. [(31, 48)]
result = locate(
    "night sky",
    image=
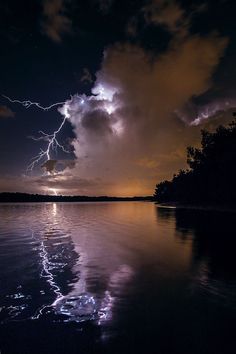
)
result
[(139, 80)]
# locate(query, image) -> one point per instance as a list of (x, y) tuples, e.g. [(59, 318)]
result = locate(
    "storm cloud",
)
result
[(55, 21), (130, 133)]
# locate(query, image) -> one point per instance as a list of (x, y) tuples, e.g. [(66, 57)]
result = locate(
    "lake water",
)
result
[(121, 277)]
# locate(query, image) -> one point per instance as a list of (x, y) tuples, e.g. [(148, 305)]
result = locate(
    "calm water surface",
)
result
[(116, 278)]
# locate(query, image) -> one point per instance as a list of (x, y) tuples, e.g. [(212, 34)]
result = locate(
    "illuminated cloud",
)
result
[(128, 134), (6, 112), (194, 114), (55, 22), (65, 182), (119, 169)]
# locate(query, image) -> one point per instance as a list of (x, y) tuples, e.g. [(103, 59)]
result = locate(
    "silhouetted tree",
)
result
[(211, 176)]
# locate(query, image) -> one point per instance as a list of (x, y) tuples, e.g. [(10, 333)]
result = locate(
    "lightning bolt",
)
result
[(52, 145), (52, 140), (103, 96), (28, 103)]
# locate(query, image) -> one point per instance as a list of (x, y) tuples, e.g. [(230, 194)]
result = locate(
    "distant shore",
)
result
[(39, 198), (206, 207)]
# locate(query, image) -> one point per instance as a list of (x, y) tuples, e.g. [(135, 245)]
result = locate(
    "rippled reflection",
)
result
[(115, 278), (58, 254), (80, 307)]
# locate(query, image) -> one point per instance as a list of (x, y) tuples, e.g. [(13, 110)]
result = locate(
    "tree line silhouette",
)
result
[(211, 176), (6, 197)]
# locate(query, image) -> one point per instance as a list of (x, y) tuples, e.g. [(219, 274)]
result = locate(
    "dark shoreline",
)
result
[(203, 207), (38, 198)]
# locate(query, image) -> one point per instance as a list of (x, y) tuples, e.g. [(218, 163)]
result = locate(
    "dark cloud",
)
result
[(86, 76), (50, 166), (69, 184), (105, 5), (67, 164), (166, 13), (64, 183), (55, 22), (132, 26), (97, 122), (6, 112)]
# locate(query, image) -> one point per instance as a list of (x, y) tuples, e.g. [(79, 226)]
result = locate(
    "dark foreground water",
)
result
[(116, 278)]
